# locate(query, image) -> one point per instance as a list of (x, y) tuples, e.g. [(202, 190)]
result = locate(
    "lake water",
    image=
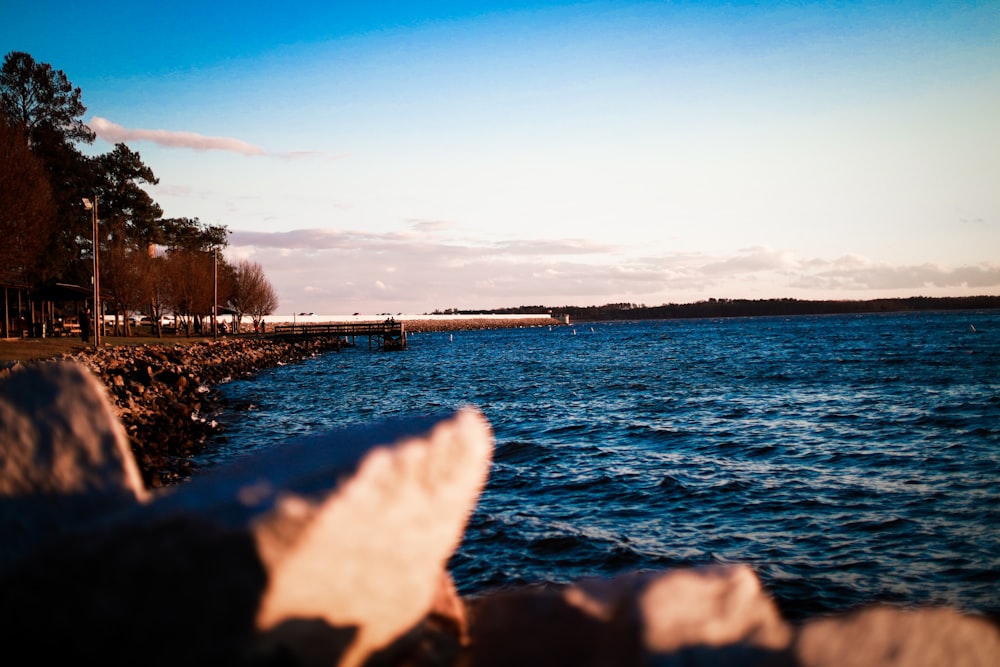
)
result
[(847, 459)]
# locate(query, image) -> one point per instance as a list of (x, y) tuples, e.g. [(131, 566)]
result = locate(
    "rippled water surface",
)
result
[(848, 459)]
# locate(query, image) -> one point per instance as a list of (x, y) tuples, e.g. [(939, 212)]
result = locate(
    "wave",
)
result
[(846, 460)]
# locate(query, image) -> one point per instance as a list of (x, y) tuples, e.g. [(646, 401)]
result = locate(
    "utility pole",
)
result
[(215, 295), (98, 317)]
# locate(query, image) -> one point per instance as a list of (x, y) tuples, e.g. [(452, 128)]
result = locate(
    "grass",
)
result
[(28, 349)]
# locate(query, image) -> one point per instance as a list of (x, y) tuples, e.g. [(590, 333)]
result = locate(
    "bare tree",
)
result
[(252, 293), (127, 278), (264, 304), (157, 291), (189, 276)]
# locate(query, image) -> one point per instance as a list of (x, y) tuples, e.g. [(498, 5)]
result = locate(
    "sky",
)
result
[(408, 157)]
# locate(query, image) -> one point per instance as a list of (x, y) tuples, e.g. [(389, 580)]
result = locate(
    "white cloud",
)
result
[(429, 226), (557, 247), (299, 239), (855, 273), (114, 134), (752, 260)]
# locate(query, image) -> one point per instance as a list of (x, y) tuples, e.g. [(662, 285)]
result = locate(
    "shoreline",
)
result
[(165, 392), (425, 323), (166, 396), (478, 322)]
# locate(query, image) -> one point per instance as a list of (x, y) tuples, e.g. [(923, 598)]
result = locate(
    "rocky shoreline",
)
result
[(166, 394)]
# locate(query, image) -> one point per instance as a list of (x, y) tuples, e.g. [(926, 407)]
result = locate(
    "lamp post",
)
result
[(215, 294), (98, 319)]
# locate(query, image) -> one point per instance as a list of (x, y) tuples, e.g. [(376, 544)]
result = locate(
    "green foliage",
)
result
[(41, 99), (191, 234), (27, 211), (129, 214)]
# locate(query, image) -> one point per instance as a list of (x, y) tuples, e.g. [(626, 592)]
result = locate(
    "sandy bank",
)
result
[(465, 324)]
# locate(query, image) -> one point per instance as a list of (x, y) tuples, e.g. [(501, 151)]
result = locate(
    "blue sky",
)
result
[(406, 157)]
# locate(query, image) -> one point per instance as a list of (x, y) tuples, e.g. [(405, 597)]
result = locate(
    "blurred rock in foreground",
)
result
[(332, 549)]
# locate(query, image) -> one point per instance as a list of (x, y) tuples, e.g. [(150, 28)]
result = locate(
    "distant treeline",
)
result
[(744, 308)]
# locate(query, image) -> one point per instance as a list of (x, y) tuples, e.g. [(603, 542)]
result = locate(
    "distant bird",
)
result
[(972, 328)]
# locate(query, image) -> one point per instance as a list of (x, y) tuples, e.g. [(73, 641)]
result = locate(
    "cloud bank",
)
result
[(337, 271)]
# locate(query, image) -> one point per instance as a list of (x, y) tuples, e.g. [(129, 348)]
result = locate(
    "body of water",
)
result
[(847, 459)]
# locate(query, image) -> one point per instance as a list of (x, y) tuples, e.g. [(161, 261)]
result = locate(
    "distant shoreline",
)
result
[(421, 323), (769, 307), (523, 315)]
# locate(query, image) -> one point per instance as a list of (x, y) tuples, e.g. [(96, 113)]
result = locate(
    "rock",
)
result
[(710, 616), (699, 616), (893, 637), (173, 592), (368, 556), (8, 367), (64, 456), (61, 436), (326, 550), (543, 625), (703, 610), (155, 388), (448, 609)]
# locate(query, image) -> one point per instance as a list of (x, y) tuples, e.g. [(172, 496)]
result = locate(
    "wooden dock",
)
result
[(387, 336)]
